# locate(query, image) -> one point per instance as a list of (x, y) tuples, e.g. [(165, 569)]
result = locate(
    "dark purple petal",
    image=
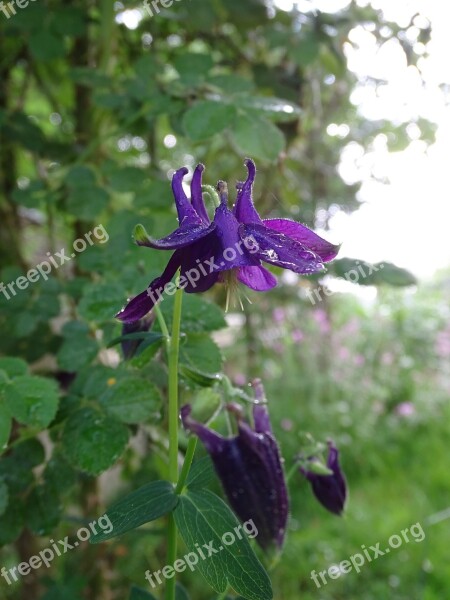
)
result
[(139, 306), (250, 470), (330, 490), (197, 196), (185, 235), (257, 278), (244, 209), (280, 250), (129, 347), (200, 264), (213, 442), (260, 493), (186, 212), (304, 235)]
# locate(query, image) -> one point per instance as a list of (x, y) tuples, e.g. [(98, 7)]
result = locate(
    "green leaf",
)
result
[(45, 46), (363, 273), (101, 301), (80, 176), (202, 517), (306, 50), (13, 366), (78, 348), (148, 336), (5, 425), (11, 522), (198, 378), (392, 275), (257, 137), (137, 593), (145, 504), (87, 202), (4, 496), (127, 179), (207, 118), (201, 473), (33, 400), (93, 441), (275, 109), (133, 400), (43, 510), (199, 315), (180, 592), (200, 353)]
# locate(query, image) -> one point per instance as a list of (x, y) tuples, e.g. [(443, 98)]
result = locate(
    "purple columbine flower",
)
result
[(249, 468), (230, 248), (330, 490)]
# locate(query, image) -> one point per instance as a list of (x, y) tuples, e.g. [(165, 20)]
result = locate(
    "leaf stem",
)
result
[(190, 451)]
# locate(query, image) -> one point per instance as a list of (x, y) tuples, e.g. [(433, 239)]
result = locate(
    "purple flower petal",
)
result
[(330, 490), (200, 264), (244, 209), (185, 235), (280, 250), (197, 196), (213, 441), (257, 278), (234, 252), (141, 304), (186, 212), (304, 235), (249, 468)]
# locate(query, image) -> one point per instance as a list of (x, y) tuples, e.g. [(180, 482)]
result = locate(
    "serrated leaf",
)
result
[(101, 301), (43, 510), (93, 441), (200, 353), (132, 400), (145, 504), (33, 400), (201, 473), (11, 522), (202, 517), (75, 352), (13, 366), (207, 118), (198, 315), (257, 137)]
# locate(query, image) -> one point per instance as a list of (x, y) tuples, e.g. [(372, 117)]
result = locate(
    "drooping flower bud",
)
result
[(249, 468), (330, 490)]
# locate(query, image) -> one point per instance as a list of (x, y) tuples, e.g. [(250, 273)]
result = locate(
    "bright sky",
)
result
[(405, 220)]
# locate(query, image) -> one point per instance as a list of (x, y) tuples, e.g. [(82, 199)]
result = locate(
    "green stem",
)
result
[(173, 348), (291, 471), (190, 451)]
